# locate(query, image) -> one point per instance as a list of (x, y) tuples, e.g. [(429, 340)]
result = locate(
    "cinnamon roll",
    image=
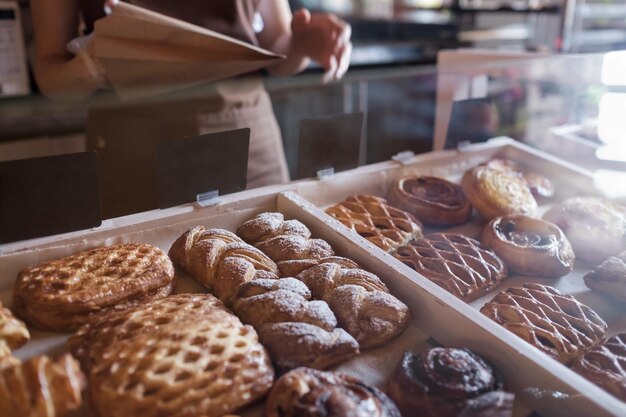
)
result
[(434, 201), (494, 191), (530, 246), (438, 382), (306, 392)]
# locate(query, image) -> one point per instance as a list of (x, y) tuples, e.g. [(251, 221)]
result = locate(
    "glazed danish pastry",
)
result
[(530, 246), (458, 264), (595, 227), (496, 192), (438, 382), (434, 201), (306, 392), (553, 322), (605, 365)]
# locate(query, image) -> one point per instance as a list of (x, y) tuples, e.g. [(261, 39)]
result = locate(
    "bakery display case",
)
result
[(484, 255)]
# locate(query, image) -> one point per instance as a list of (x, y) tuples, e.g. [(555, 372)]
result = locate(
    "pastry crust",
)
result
[(609, 277), (206, 364), (555, 323), (460, 265), (438, 382), (40, 387), (371, 217), (605, 365), (496, 192), (306, 392), (530, 246), (491, 404), (13, 332), (62, 294), (595, 227), (434, 201)]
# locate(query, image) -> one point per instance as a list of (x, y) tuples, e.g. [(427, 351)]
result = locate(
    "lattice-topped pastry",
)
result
[(40, 387), (207, 365), (88, 343), (62, 294), (605, 365), (220, 260), (306, 392), (459, 264), (12, 331), (371, 217), (553, 322)]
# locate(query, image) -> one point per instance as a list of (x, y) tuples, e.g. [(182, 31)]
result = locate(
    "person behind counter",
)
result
[(62, 75)]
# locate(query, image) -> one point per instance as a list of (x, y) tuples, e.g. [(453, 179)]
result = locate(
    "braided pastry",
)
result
[(63, 294), (219, 260), (458, 264), (361, 302), (371, 217), (555, 323), (12, 331), (41, 388), (605, 365), (309, 393), (434, 201), (438, 382)]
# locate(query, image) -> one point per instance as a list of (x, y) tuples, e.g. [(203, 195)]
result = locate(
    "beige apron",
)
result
[(127, 137)]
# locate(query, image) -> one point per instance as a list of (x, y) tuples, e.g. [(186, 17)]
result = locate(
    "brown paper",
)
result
[(144, 53)]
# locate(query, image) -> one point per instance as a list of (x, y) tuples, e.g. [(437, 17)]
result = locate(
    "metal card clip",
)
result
[(210, 198), (404, 157), (325, 174)]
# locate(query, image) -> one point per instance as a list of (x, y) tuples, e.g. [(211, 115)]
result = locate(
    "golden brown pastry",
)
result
[(12, 330), (434, 201), (306, 392), (539, 185), (553, 322), (605, 365), (530, 246), (496, 192), (63, 294), (458, 264), (609, 277), (371, 217), (296, 330), (6, 358), (219, 260), (491, 404), (40, 387), (360, 301), (207, 364), (595, 227), (438, 382), (90, 341)]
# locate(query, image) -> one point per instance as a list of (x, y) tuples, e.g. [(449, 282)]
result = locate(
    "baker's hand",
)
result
[(324, 38)]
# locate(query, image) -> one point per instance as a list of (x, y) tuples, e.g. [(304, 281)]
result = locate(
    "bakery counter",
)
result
[(538, 381)]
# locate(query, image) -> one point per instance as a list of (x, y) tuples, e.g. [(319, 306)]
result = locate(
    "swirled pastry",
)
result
[(595, 227), (530, 246), (539, 184), (434, 201), (495, 192), (605, 365), (609, 277), (553, 322), (207, 364), (371, 217), (306, 392), (40, 387), (63, 294), (220, 260), (438, 382), (458, 264), (12, 331)]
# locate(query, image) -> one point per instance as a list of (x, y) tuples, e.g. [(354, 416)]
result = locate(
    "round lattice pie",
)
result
[(555, 323), (206, 364), (459, 264), (62, 294)]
